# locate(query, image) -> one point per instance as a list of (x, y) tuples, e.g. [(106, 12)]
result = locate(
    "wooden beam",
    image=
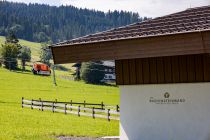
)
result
[(158, 46)]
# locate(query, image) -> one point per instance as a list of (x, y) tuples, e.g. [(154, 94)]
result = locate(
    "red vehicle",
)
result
[(41, 69)]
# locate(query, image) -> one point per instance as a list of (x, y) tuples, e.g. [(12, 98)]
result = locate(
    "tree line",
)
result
[(42, 23), (11, 51)]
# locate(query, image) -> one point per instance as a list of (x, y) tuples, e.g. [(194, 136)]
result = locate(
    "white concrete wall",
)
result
[(143, 120)]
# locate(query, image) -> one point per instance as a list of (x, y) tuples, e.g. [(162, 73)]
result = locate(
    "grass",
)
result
[(35, 50), (35, 47), (26, 124)]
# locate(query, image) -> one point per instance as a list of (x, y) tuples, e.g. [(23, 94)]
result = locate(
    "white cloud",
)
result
[(151, 8)]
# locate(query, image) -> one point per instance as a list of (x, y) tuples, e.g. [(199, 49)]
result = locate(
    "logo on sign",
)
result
[(166, 95), (166, 99)]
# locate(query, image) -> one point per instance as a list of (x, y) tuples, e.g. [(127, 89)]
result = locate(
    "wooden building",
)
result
[(162, 69), (109, 74)]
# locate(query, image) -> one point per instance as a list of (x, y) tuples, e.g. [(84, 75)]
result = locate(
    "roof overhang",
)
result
[(186, 43)]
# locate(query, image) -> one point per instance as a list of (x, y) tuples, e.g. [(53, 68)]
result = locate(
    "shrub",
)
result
[(92, 72)]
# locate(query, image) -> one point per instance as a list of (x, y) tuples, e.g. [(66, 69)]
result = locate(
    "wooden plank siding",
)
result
[(159, 70), (139, 71)]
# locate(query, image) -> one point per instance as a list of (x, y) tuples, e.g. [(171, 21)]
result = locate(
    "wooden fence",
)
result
[(81, 109)]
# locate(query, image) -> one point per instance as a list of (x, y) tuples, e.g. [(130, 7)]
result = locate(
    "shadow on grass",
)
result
[(26, 72), (2, 102), (18, 70), (103, 84), (23, 72)]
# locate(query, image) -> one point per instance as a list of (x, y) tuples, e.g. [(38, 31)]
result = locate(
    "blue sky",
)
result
[(150, 8)]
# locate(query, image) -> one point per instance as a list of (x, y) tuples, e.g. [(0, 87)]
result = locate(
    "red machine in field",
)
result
[(41, 69)]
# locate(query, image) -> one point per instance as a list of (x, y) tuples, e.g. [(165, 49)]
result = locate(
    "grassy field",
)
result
[(26, 124), (35, 50), (35, 47)]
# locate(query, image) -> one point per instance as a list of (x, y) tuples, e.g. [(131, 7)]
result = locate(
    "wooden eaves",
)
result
[(153, 46), (182, 33)]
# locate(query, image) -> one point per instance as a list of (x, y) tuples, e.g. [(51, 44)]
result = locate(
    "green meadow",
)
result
[(18, 123), (35, 47)]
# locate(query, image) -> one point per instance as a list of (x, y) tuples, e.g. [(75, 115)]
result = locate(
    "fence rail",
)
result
[(95, 111)]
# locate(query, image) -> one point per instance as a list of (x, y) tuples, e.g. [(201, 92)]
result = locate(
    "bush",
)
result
[(9, 52), (92, 72), (45, 54), (24, 55)]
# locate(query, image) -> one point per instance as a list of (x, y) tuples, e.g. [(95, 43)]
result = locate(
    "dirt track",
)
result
[(84, 138)]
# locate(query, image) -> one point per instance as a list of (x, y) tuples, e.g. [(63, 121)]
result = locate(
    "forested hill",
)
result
[(38, 22)]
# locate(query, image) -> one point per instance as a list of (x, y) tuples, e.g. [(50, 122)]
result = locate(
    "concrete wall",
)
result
[(143, 119)]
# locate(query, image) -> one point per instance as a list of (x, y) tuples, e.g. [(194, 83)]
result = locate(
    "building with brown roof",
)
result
[(162, 69)]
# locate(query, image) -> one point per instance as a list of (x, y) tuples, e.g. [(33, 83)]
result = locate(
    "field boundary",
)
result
[(83, 109)]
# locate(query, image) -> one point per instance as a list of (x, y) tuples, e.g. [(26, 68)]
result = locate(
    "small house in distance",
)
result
[(109, 68), (162, 69)]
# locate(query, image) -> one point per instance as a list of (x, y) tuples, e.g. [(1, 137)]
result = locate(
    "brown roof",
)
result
[(190, 20), (182, 33)]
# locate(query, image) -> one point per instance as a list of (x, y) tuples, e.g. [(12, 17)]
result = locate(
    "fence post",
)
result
[(117, 108), (22, 101), (53, 107), (55, 102), (84, 105), (32, 104), (65, 108), (108, 114), (42, 105), (93, 112), (79, 110), (102, 105), (54, 78), (71, 105)]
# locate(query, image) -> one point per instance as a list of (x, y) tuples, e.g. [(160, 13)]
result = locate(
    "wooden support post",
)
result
[(65, 108), (84, 105), (102, 105), (22, 101), (54, 78), (93, 112), (108, 114), (32, 104), (79, 110)]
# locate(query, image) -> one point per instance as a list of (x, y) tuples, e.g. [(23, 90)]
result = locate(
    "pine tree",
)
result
[(9, 53), (25, 56), (92, 72), (45, 54), (40, 23)]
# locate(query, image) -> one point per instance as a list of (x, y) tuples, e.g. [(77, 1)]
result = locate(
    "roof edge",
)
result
[(130, 38)]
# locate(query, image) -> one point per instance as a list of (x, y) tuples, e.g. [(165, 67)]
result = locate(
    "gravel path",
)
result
[(84, 138)]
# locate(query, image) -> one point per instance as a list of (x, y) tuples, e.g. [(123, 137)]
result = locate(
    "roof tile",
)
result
[(190, 20)]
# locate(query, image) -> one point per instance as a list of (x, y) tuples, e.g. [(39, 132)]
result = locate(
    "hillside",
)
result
[(17, 123), (39, 22), (35, 50), (35, 47)]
